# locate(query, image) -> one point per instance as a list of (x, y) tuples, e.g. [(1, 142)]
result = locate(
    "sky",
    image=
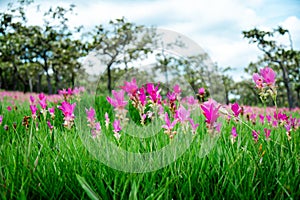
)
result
[(215, 25)]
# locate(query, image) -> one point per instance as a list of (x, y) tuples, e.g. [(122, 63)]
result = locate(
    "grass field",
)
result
[(51, 161)]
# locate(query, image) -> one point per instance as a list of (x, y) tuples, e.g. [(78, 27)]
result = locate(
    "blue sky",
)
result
[(215, 25)]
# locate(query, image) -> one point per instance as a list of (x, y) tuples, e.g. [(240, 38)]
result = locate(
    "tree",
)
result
[(284, 58), (29, 53), (121, 43)]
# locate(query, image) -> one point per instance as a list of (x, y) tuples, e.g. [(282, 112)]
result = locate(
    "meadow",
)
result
[(52, 145)]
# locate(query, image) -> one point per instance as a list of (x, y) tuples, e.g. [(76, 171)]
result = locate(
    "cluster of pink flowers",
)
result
[(265, 82), (91, 119)]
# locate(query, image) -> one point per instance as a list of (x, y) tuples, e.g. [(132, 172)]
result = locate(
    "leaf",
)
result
[(87, 188)]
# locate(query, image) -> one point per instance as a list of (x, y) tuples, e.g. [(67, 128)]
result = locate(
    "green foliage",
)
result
[(33, 167)]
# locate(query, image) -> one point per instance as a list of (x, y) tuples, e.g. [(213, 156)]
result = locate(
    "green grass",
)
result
[(35, 165)]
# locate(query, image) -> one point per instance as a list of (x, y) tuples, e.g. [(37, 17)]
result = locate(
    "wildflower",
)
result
[(269, 118), (261, 119), (90, 115), (33, 109), (236, 109), (233, 134), (142, 96), (6, 127), (274, 123), (1, 119), (32, 100), (191, 100), (288, 131), (130, 87), (106, 120), (267, 133), (68, 112), (43, 100), (52, 111), (211, 112), (118, 102), (193, 125), (117, 129), (201, 91), (169, 126), (253, 118), (182, 114), (9, 108), (255, 135), (96, 130), (66, 94), (49, 125), (218, 127), (172, 98), (268, 75), (177, 90), (95, 126), (258, 80), (154, 93)]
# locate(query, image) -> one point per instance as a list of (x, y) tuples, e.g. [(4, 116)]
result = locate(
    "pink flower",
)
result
[(169, 126), (154, 93), (130, 87), (63, 92), (106, 120), (117, 129), (268, 75), (233, 132), (274, 123), (253, 117), (43, 100), (218, 127), (33, 109), (261, 119), (201, 91), (68, 112), (52, 111), (90, 115), (42, 96), (287, 127), (1, 119), (96, 131), (211, 112), (236, 109), (118, 102), (70, 91), (177, 90), (182, 114), (49, 125), (267, 132), (171, 96), (269, 118), (117, 126), (255, 135), (191, 100), (9, 108), (32, 100), (142, 96), (258, 80), (193, 125)]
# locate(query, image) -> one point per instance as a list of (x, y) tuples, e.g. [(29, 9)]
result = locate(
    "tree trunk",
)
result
[(49, 83), (39, 83), (286, 82), (109, 78)]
